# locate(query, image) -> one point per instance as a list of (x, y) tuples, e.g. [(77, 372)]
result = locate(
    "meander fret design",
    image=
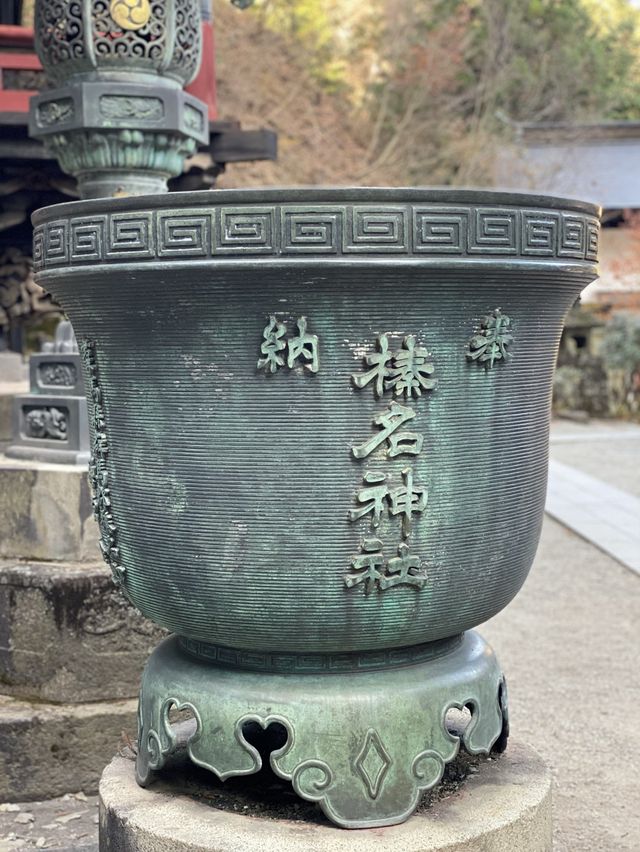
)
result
[(322, 229), (309, 663)]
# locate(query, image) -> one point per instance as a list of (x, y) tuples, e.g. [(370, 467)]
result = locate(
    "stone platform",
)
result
[(46, 512), (49, 749), (503, 807), (68, 635)]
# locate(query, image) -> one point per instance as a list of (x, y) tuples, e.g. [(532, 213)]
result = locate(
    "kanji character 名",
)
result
[(408, 500), (390, 421), (304, 346), (374, 497), (380, 363), (411, 372), (273, 343), (404, 569), (367, 568), (490, 343)]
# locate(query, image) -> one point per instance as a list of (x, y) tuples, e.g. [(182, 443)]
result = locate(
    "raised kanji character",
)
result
[(405, 443), (404, 568), (273, 343), (490, 343), (367, 568), (407, 500), (373, 497), (304, 346), (389, 421), (411, 370), (380, 363)]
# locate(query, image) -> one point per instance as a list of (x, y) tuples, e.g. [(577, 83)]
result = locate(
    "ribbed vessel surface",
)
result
[(234, 491)]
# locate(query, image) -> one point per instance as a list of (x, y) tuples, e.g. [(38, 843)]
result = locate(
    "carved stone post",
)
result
[(118, 118), (50, 422)]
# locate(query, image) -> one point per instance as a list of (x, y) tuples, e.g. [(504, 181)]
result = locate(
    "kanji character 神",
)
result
[(408, 500), (373, 497)]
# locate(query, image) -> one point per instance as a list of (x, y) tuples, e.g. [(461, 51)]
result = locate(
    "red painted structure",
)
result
[(17, 53)]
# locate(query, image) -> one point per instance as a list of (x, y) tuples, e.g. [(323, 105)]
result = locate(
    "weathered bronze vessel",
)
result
[(320, 431)]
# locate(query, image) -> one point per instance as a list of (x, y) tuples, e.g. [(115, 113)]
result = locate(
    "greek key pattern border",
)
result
[(349, 230), (311, 663)]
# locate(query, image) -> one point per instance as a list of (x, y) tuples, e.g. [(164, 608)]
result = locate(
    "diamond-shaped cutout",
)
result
[(373, 762)]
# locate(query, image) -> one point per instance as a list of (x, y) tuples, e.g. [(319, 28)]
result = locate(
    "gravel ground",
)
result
[(66, 824)]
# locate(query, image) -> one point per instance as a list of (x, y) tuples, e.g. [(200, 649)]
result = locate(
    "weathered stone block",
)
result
[(50, 428), (8, 391), (47, 750), (45, 512), (68, 635)]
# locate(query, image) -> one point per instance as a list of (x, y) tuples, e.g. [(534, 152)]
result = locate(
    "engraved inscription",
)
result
[(490, 342), (409, 443), (412, 369), (301, 347), (408, 499), (404, 568), (373, 496), (406, 371), (368, 568), (272, 344), (372, 570), (405, 501)]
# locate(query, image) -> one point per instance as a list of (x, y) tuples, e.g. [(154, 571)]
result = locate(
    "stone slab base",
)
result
[(47, 750), (45, 512), (505, 807), (68, 635)]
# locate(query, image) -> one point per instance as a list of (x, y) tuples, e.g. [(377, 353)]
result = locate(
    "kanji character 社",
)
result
[(368, 566), (404, 568)]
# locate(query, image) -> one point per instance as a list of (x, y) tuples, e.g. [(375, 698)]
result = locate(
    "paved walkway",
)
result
[(568, 644), (594, 485)]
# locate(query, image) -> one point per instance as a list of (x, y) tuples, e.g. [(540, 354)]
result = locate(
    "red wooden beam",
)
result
[(11, 36), (204, 85), (22, 61), (14, 100)]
